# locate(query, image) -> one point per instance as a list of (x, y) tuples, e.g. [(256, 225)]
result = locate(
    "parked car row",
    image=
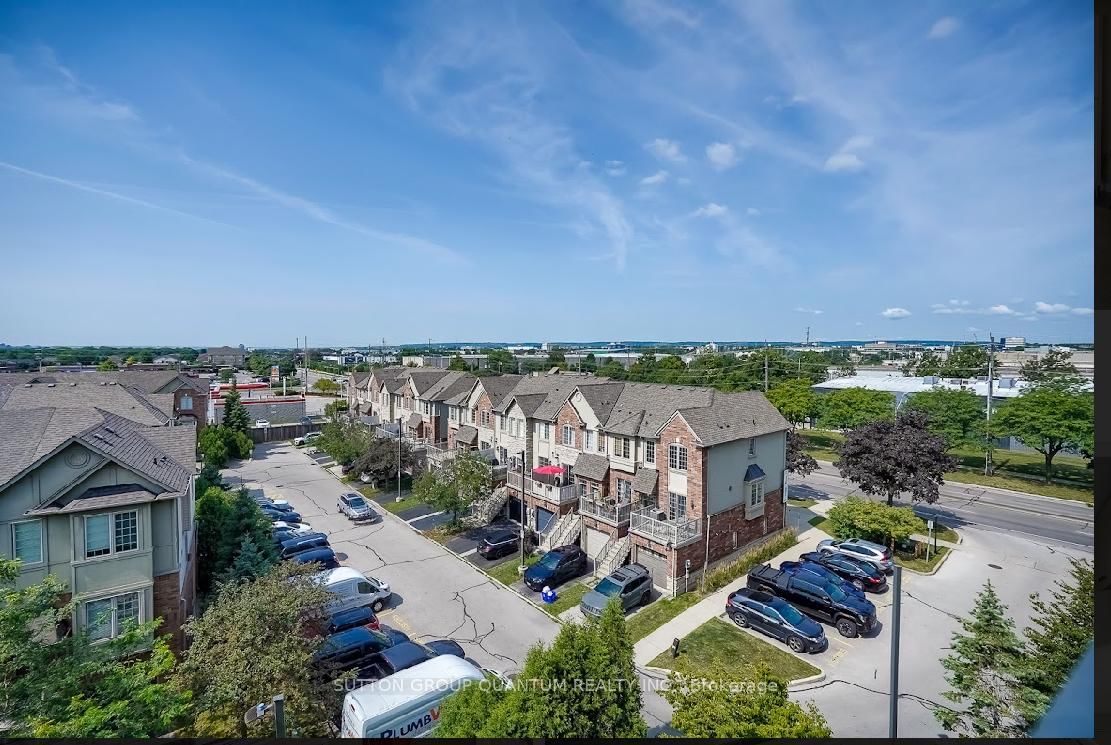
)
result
[(827, 585)]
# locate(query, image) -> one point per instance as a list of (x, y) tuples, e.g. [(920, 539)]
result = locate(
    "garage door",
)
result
[(545, 521), (514, 505), (594, 541), (655, 563)]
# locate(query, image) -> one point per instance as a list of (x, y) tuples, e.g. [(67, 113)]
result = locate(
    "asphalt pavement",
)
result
[(1061, 521)]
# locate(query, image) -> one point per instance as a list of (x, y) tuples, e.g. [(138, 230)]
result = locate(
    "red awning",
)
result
[(548, 470)]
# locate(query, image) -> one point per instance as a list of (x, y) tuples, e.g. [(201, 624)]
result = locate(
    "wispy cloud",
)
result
[(713, 209), (655, 179), (665, 149), (722, 155), (813, 311), (962, 308), (1082, 311), (106, 193), (895, 313), (615, 168), (846, 158), (752, 212), (943, 27), (1050, 308)]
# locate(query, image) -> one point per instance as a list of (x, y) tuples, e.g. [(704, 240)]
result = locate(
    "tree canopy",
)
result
[(235, 413), (968, 361), (956, 415), (1049, 418), (229, 524), (1052, 367), (455, 486), (798, 460), (851, 407), (380, 461), (889, 457), (873, 521), (757, 709), (72, 687), (795, 399), (458, 363)]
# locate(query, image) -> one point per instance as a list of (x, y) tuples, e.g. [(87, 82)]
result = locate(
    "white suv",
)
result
[(858, 548)]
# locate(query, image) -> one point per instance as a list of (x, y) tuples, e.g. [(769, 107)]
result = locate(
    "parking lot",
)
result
[(437, 594)]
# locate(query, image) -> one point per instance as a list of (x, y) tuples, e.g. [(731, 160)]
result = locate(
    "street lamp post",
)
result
[(399, 459), (521, 568)]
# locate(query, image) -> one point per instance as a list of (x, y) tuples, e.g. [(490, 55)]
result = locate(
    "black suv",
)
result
[(777, 618), (404, 656), (555, 567), (501, 543), (862, 574), (848, 611), (354, 648)]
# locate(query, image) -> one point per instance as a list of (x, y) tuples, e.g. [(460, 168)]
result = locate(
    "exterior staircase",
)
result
[(613, 555), (566, 531), (483, 511)]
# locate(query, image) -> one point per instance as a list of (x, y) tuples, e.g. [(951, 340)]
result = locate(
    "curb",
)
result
[(937, 566), (794, 684)]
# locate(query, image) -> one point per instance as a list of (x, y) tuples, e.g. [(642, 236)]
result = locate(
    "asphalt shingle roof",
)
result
[(467, 435), (591, 466), (734, 416), (86, 393), (645, 480)]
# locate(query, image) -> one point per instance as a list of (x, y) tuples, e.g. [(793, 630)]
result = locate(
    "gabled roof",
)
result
[(642, 408), (591, 466), (467, 435), (734, 416), (423, 380), (499, 387), (101, 497), (601, 398), (360, 379), (449, 385), (645, 480), (84, 392)]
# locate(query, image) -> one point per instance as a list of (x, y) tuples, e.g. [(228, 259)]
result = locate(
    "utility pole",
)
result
[(988, 465), (765, 366), (896, 608), (521, 496)]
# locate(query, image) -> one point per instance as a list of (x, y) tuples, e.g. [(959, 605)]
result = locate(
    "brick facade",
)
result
[(197, 411), (169, 607), (568, 416), (677, 431)]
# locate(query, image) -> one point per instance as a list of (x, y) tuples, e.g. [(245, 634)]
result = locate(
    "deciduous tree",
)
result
[(795, 400), (852, 407), (326, 385), (756, 709), (798, 460), (250, 644), (107, 365), (455, 486), (956, 415), (380, 460), (889, 457), (968, 361), (873, 521), (985, 672), (1052, 367), (1048, 418), (72, 687), (458, 363)]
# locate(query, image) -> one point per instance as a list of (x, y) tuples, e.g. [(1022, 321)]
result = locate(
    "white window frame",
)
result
[(624, 488), (588, 439), (677, 457), (602, 441), (568, 435), (752, 447), (755, 493), (112, 550), (473, 415), (114, 626), (676, 506), (42, 548), (621, 447), (650, 452), (186, 402), (484, 418), (544, 430), (453, 414)]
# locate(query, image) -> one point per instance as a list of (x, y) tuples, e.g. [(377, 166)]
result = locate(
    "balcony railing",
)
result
[(616, 514), (645, 522), (547, 492)]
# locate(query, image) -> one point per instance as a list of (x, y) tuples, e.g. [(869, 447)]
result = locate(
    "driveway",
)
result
[(437, 595)]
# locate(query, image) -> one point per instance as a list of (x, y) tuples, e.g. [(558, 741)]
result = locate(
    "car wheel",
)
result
[(378, 605), (858, 584), (740, 619), (646, 598), (796, 644), (847, 628)]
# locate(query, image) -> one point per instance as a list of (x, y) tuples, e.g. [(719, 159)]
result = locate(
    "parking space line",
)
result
[(425, 517), (465, 554)]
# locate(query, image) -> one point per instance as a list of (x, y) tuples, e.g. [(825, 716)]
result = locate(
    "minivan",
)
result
[(326, 557), (407, 703), (297, 544), (354, 590)]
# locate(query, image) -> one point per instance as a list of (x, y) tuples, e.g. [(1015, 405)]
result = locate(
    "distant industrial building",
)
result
[(443, 361)]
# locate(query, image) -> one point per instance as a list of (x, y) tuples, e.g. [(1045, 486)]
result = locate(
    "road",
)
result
[(1041, 518)]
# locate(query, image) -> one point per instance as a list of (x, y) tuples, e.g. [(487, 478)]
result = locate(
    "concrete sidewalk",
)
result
[(713, 605)]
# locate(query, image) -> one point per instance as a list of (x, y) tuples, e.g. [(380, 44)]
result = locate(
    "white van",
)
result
[(353, 590), (407, 703)]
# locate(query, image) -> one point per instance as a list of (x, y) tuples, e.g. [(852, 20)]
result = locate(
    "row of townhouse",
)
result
[(677, 478), (97, 488)]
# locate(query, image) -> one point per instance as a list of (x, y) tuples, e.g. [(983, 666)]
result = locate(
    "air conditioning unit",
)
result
[(661, 515)]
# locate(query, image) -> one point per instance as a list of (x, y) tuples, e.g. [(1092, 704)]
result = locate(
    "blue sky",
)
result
[(220, 173)]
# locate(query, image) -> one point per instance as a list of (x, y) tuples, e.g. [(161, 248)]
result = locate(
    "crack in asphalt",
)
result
[(478, 639)]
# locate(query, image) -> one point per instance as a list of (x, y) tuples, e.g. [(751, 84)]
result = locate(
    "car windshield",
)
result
[(608, 587), (789, 613), (835, 592), (550, 560), (356, 502)]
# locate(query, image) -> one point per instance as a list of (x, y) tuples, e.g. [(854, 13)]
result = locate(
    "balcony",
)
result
[(615, 514), (547, 492), (646, 522)]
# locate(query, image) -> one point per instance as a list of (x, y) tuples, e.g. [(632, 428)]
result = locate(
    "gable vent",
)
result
[(50, 385)]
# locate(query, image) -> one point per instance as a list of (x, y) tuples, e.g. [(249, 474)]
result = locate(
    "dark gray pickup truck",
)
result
[(850, 613)]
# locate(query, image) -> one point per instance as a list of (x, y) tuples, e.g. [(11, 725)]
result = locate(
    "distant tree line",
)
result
[(29, 357)]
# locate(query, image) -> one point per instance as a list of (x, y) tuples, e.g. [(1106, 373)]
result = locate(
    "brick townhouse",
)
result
[(96, 488), (677, 478)]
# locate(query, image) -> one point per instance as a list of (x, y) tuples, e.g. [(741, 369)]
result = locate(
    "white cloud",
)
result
[(753, 212), (895, 313), (958, 302), (1082, 311), (683, 181), (943, 27), (859, 323), (615, 168), (960, 308), (813, 311), (713, 209), (722, 155), (665, 149), (656, 178), (843, 162), (1002, 310), (1040, 307)]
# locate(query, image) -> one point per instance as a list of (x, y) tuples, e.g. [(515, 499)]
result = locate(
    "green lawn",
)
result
[(821, 444), (801, 502), (817, 521), (408, 501), (569, 596), (943, 533), (650, 618), (918, 563), (506, 572), (718, 650)]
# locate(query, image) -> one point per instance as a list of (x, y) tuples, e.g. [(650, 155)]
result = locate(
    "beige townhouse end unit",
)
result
[(96, 488)]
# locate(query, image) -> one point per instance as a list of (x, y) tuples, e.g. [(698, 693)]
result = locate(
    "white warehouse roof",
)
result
[(1005, 387)]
